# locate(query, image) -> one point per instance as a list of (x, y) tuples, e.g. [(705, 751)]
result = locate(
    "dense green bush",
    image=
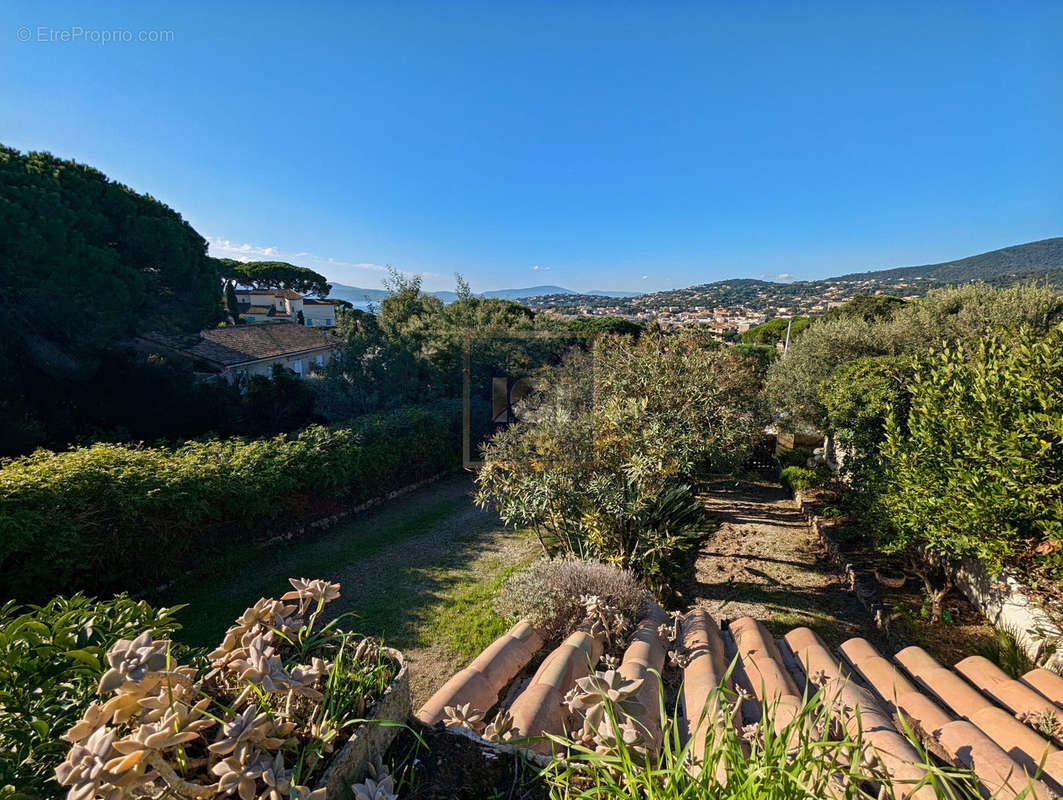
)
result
[(796, 457), (962, 314), (51, 659), (859, 397), (979, 470), (108, 517), (798, 478)]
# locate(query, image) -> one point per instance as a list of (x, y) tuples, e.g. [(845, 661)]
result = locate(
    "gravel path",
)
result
[(765, 562)]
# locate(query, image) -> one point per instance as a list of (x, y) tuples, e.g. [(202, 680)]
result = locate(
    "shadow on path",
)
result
[(764, 562)]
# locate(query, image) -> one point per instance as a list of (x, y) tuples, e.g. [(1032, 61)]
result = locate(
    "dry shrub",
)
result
[(547, 594)]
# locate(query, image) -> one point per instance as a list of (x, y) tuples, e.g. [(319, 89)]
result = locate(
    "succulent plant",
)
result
[(378, 784), (677, 658), (751, 733), (606, 620), (262, 619), (177, 724), (146, 739), (278, 780), (132, 659), (93, 718), (241, 771), (83, 769), (306, 793), (465, 716), (630, 735), (500, 729), (308, 592), (247, 728), (594, 692)]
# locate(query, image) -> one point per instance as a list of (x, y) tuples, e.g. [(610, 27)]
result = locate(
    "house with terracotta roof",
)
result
[(257, 305), (240, 351)]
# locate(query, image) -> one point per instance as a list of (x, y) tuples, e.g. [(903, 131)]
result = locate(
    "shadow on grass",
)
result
[(397, 565)]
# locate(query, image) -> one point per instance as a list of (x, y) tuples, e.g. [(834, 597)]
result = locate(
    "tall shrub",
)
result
[(601, 462), (979, 470), (960, 314)]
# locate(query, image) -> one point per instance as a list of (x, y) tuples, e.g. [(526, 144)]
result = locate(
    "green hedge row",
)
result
[(114, 517)]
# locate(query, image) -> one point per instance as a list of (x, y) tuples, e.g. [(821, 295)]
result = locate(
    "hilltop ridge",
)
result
[(1033, 261)]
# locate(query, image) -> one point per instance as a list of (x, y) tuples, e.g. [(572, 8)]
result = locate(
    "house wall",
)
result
[(266, 298), (319, 316), (306, 362)]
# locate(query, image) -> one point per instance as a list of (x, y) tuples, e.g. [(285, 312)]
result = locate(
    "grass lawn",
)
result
[(419, 572)]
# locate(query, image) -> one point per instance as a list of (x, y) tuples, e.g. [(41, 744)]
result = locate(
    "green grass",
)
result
[(466, 621), (420, 599)]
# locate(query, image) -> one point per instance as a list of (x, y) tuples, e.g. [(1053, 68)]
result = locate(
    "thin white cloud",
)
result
[(538, 268), (224, 248), (334, 269)]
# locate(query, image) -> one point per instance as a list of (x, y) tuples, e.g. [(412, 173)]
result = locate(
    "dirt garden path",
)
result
[(419, 571), (766, 563)]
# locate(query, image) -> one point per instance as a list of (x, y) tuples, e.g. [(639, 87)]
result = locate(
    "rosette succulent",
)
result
[(167, 730)]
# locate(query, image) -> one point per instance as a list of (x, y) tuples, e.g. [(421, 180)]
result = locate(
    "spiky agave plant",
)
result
[(808, 758)]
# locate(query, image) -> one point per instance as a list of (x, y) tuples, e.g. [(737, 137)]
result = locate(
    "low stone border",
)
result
[(1003, 599), (322, 523), (860, 583), (327, 522), (1007, 603)]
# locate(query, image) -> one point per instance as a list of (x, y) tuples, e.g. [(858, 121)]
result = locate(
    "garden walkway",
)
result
[(419, 571), (764, 562)]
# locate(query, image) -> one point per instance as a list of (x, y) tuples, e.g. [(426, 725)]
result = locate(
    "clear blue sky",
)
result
[(612, 145)]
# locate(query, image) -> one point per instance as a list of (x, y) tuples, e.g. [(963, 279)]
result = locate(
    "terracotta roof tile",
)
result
[(240, 343)]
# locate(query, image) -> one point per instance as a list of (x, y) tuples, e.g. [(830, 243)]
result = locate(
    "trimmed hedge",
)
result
[(110, 517)]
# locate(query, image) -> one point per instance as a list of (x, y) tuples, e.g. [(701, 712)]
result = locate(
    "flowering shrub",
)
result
[(281, 693), (601, 461)]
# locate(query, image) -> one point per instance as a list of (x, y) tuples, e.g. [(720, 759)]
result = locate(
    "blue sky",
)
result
[(612, 145)]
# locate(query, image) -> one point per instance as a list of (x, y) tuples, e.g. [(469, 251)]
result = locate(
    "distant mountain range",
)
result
[(356, 294), (1034, 261), (1040, 261)]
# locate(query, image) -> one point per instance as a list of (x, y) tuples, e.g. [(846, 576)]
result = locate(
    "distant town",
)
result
[(733, 306), (728, 306)]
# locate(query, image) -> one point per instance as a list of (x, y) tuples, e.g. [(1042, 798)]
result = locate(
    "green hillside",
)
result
[(1037, 262), (1019, 259)]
